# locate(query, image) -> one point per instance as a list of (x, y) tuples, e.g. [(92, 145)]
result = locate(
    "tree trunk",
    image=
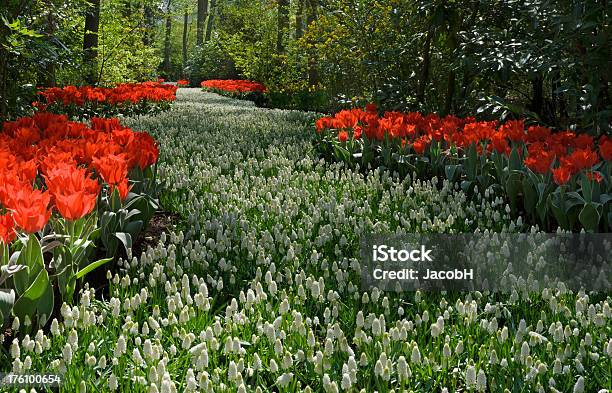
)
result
[(313, 72), (49, 76), (211, 19), (299, 20), (452, 75), (149, 22), (185, 30), (450, 92), (90, 41), (202, 15), (3, 87), (167, 41), (282, 25), (537, 99), (426, 65)]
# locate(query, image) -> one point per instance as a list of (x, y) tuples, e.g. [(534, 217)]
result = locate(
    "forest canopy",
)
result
[(546, 61)]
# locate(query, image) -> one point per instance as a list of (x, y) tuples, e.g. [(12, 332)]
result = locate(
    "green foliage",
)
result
[(210, 61)]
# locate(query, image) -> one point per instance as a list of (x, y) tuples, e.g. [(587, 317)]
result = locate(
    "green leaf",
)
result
[(514, 161), (467, 186), (530, 196), (452, 172), (589, 217), (7, 300), (513, 189), (558, 212), (45, 305), (30, 256), (471, 162), (125, 238), (81, 273), (587, 189), (605, 198), (27, 304), (133, 228)]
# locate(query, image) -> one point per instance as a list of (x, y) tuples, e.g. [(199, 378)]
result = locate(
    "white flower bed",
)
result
[(258, 290)]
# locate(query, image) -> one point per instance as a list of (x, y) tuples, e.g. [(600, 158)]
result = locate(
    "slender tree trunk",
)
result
[(211, 19), (185, 30), (202, 16), (49, 76), (282, 25), (149, 21), (452, 75), (167, 40), (450, 92), (299, 20), (537, 100), (313, 72), (3, 77), (90, 41), (424, 79)]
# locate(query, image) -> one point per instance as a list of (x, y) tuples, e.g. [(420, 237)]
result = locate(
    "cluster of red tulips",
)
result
[(125, 98), (234, 86), (182, 83), (475, 152), (573, 152), (50, 165)]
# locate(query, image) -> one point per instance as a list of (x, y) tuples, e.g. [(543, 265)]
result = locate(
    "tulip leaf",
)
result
[(513, 189), (133, 228), (471, 162), (452, 172), (589, 217), (7, 300), (125, 239), (530, 196), (467, 185), (83, 272), (28, 302), (558, 211), (514, 161), (30, 256)]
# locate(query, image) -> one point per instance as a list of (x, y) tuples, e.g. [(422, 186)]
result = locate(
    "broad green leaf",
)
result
[(81, 273), (7, 300), (125, 238), (589, 217), (530, 196), (452, 172)]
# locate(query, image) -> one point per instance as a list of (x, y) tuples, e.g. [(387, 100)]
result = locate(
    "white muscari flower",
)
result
[(481, 381), (15, 349), (273, 366), (579, 385), (470, 377), (415, 357)]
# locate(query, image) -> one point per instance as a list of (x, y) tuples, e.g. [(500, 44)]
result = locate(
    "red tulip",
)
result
[(123, 188), (7, 229), (112, 168), (74, 193), (30, 209), (562, 175)]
